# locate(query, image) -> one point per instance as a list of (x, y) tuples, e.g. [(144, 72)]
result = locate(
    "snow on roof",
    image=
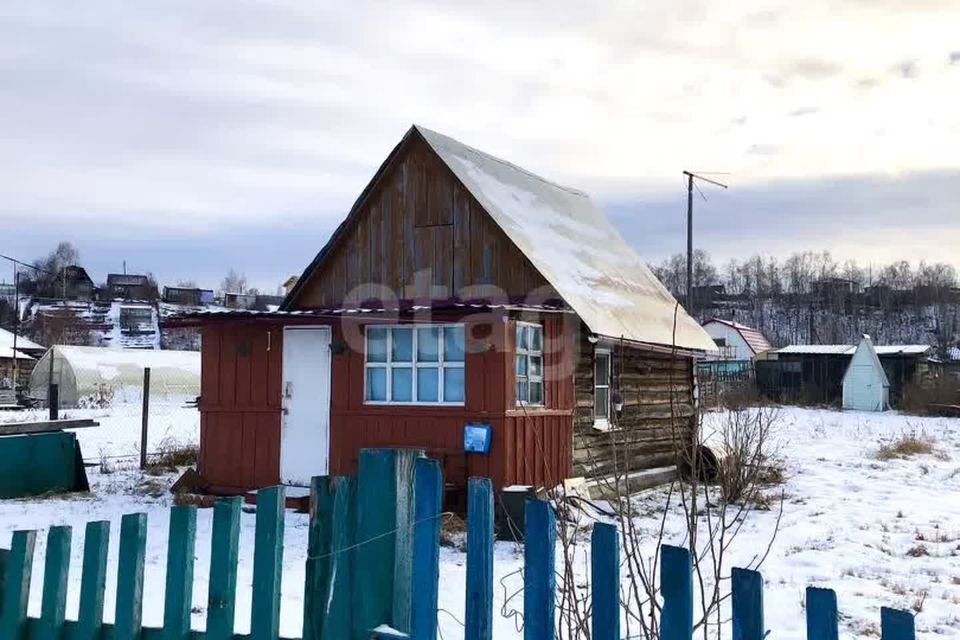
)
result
[(848, 349), (754, 339), (106, 359), (6, 344), (575, 247), (7, 353)]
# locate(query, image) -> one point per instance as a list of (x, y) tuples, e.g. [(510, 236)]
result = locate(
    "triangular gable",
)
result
[(866, 350), (564, 237)]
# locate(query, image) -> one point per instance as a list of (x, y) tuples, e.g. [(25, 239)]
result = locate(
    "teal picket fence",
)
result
[(372, 570)]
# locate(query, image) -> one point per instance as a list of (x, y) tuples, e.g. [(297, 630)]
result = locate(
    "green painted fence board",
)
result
[(425, 576), (400, 609), (37, 463), (56, 572), (224, 553), (93, 580), (178, 596), (316, 589), (267, 564), (339, 609), (375, 559), (17, 572), (133, 545)]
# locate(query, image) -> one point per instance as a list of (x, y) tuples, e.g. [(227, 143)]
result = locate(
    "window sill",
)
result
[(603, 424)]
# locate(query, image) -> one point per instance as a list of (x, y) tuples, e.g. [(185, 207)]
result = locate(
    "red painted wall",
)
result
[(240, 408)]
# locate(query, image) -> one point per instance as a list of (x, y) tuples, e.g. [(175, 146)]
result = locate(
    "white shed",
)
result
[(734, 341), (865, 383)]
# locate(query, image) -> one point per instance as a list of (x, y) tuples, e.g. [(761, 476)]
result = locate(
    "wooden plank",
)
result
[(56, 573), (539, 563), (17, 572), (425, 573), (404, 465), (267, 564), (221, 596), (316, 588), (178, 600), (45, 426), (821, 608), (93, 580), (747, 590), (605, 583), (133, 546), (676, 588), (479, 590), (375, 559), (338, 616), (896, 624)]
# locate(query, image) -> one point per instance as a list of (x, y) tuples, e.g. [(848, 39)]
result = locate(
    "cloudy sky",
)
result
[(188, 137)]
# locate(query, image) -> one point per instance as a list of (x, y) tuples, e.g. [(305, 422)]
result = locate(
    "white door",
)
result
[(305, 435)]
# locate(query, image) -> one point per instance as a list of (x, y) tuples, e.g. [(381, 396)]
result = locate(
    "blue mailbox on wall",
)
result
[(476, 437)]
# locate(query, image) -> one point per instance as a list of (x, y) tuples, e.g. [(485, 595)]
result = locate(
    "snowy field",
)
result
[(880, 532)]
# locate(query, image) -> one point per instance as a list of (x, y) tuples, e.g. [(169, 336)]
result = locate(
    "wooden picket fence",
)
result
[(372, 567)]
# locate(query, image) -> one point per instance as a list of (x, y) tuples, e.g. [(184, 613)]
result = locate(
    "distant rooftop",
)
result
[(848, 349)]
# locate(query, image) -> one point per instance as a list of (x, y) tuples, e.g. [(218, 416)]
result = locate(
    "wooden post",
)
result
[(376, 556), (178, 600), (747, 604), (540, 579), (316, 588), (145, 417), (267, 564), (339, 610), (479, 603), (425, 572), (676, 586), (605, 582), (53, 401), (93, 580), (896, 624), (221, 597), (53, 607), (821, 614)]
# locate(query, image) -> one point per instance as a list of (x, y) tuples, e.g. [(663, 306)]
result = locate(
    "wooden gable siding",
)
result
[(419, 233)]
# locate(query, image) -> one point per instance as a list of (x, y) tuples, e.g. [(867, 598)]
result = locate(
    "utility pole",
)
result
[(690, 176), (16, 325)]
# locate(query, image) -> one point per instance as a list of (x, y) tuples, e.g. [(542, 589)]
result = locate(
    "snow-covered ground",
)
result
[(850, 521)]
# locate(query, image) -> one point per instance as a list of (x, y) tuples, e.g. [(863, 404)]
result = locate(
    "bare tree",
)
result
[(234, 282)]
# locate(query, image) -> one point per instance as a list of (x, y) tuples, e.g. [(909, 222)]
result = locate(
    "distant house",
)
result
[(834, 288), (460, 290), (123, 286), (706, 295), (234, 300), (865, 383), (78, 284), (815, 373), (289, 284), (735, 341), (187, 296), (19, 361)]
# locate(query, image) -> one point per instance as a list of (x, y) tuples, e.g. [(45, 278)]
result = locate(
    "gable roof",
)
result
[(866, 345), (568, 240), (754, 339), (850, 349), (6, 346)]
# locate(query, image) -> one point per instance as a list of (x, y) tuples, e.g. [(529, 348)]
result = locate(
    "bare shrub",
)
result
[(905, 446), (172, 455)]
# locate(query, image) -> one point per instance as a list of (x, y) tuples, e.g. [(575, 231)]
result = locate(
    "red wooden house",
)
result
[(460, 289)]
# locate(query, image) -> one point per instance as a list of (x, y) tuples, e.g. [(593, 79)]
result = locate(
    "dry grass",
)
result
[(906, 446), (453, 532), (171, 456)]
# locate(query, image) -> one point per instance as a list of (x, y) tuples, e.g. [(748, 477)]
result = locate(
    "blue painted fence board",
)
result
[(376, 520), (339, 611), (479, 588), (605, 582), (267, 564), (17, 572), (224, 548), (821, 614), (56, 571), (178, 600), (316, 589), (93, 581), (676, 588), (896, 624), (133, 546), (425, 575), (539, 556), (747, 605)]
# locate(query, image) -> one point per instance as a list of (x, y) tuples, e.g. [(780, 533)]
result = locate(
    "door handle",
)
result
[(288, 389)]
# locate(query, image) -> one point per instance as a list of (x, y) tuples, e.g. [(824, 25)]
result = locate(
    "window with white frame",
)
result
[(529, 363), (413, 364), (601, 388)]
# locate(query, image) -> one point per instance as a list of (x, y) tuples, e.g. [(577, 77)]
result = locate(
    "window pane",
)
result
[(377, 384), (402, 388), (603, 370), (601, 405), (521, 390), (453, 385), (536, 338), (376, 344), (521, 337), (521, 365), (402, 345), (536, 393), (453, 340), (428, 344), (428, 384), (536, 366)]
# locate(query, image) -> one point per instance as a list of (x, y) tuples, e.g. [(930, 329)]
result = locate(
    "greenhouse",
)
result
[(90, 377)]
